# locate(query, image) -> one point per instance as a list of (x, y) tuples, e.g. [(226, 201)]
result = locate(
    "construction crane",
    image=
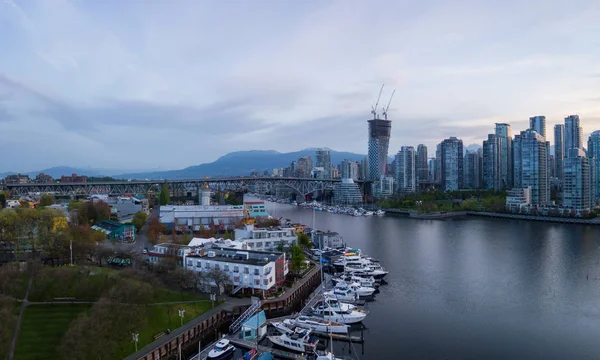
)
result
[(374, 108), (385, 111)]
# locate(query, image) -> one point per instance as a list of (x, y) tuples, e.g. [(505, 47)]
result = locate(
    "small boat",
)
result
[(221, 350), (380, 213), (318, 324), (368, 213), (300, 340)]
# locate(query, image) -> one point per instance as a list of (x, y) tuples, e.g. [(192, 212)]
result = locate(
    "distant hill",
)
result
[(240, 163)]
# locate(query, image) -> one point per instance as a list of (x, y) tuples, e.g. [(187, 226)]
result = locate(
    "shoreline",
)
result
[(449, 215)]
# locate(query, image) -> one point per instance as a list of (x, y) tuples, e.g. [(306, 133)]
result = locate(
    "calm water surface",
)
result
[(474, 288)]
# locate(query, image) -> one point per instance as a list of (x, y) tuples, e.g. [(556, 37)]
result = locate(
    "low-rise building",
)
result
[(327, 239), (125, 206), (248, 269), (266, 239), (74, 178), (221, 217), (42, 178), (518, 198), (16, 179), (116, 230), (166, 250)]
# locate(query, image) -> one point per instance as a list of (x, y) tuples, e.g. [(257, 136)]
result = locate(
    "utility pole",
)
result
[(135, 337), (71, 250), (181, 314)]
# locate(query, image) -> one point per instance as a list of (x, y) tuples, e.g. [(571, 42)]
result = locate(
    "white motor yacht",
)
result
[(361, 290), (366, 281), (380, 213), (342, 293), (222, 349), (299, 340), (333, 310), (317, 324), (368, 213)]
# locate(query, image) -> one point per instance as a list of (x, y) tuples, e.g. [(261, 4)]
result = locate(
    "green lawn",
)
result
[(42, 329), (160, 318), (166, 295)]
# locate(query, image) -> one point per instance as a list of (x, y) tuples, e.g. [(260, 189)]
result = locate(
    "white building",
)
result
[(256, 270), (266, 239), (11, 204), (327, 239), (518, 198), (165, 250)]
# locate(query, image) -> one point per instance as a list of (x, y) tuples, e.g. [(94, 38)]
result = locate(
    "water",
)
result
[(474, 288)]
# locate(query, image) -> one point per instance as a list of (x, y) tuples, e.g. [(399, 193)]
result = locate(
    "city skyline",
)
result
[(86, 83)]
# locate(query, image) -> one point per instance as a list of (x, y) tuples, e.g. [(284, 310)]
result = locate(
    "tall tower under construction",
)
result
[(379, 141)]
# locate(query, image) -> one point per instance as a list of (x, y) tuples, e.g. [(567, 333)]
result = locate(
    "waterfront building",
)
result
[(347, 192), (492, 163), (452, 164), (327, 239), (196, 217), (421, 166), (257, 270), (379, 140), (383, 187), (323, 160), (593, 152), (573, 134), (472, 169), (559, 150), (504, 133), (266, 239), (534, 166), (538, 124), (577, 183), (405, 178), (350, 169), (437, 165), (518, 198)]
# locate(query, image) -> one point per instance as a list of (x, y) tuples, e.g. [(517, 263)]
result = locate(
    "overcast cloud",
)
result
[(168, 84)]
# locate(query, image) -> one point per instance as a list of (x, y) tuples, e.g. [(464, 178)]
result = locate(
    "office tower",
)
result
[(516, 151), (364, 168), (431, 164), (405, 177), (472, 169), (551, 165), (437, 165), (323, 160), (573, 134), (559, 150), (422, 167), (492, 163), (534, 166), (504, 132), (350, 169), (304, 167), (452, 164), (593, 152), (379, 140), (538, 124), (577, 183)]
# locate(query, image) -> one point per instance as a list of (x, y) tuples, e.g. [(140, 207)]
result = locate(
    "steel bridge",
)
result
[(301, 186)]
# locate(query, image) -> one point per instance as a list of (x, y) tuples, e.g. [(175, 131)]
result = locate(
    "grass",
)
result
[(42, 329), (166, 295), (160, 318)]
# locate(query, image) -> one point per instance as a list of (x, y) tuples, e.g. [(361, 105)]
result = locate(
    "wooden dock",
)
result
[(341, 337)]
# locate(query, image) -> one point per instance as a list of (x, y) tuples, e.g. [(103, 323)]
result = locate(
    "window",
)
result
[(236, 269), (259, 244), (256, 281), (256, 272), (199, 263), (246, 271), (189, 263), (217, 267), (226, 267), (266, 281), (267, 244), (206, 265)]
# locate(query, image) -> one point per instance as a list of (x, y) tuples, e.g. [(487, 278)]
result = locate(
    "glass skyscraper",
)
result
[(559, 150), (577, 184), (573, 134), (405, 177), (534, 166), (379, 141), (452, 164)]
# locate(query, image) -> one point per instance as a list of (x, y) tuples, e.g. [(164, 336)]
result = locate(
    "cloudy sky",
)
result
[(135, 84)]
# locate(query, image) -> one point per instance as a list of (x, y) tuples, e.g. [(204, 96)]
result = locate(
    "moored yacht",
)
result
[(222, 349), (317, 324), (299, 340), (333, 310)]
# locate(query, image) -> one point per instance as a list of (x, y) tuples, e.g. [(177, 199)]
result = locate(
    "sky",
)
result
[(164, 84)]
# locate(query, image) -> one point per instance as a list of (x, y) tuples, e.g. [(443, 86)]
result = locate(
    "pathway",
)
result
[(13, 344)]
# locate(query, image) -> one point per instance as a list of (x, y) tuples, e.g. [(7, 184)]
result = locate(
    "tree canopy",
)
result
[(164, 196), (46, 200), (139, 220)]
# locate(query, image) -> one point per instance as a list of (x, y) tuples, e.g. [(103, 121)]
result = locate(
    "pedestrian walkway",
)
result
[(13, 343)]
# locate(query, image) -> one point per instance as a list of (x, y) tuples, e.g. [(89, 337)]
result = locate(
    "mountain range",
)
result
[(239, 163)]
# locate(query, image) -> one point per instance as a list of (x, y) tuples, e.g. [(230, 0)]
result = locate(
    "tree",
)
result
[(219, 277), (155, 229), (139, 220), (2, 199), (27, 224), (164, 197), (281, 246), (298, 259), (304, 241), (46, 200)]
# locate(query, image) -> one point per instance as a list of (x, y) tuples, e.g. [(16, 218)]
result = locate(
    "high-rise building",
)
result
[(534, 166), (472, 169), (516, 154), (379, 140), (504, 132), (593, 152), (364, 168), (323, 159), (559, 150), (405, 179), (422, 166), (304, 167), (350, 169), (492, 163), (551, 165), (573, 134), (437, 165), (431, 165), (452, 164), (577, 183), (538, 124)]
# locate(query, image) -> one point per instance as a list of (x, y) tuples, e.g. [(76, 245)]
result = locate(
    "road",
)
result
[(141, 239)]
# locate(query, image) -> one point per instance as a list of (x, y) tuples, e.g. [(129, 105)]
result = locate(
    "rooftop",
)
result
[(250, 257)]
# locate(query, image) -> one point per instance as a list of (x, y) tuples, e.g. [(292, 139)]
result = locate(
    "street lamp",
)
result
[(135, 337), (181, 313), (213, 298)]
